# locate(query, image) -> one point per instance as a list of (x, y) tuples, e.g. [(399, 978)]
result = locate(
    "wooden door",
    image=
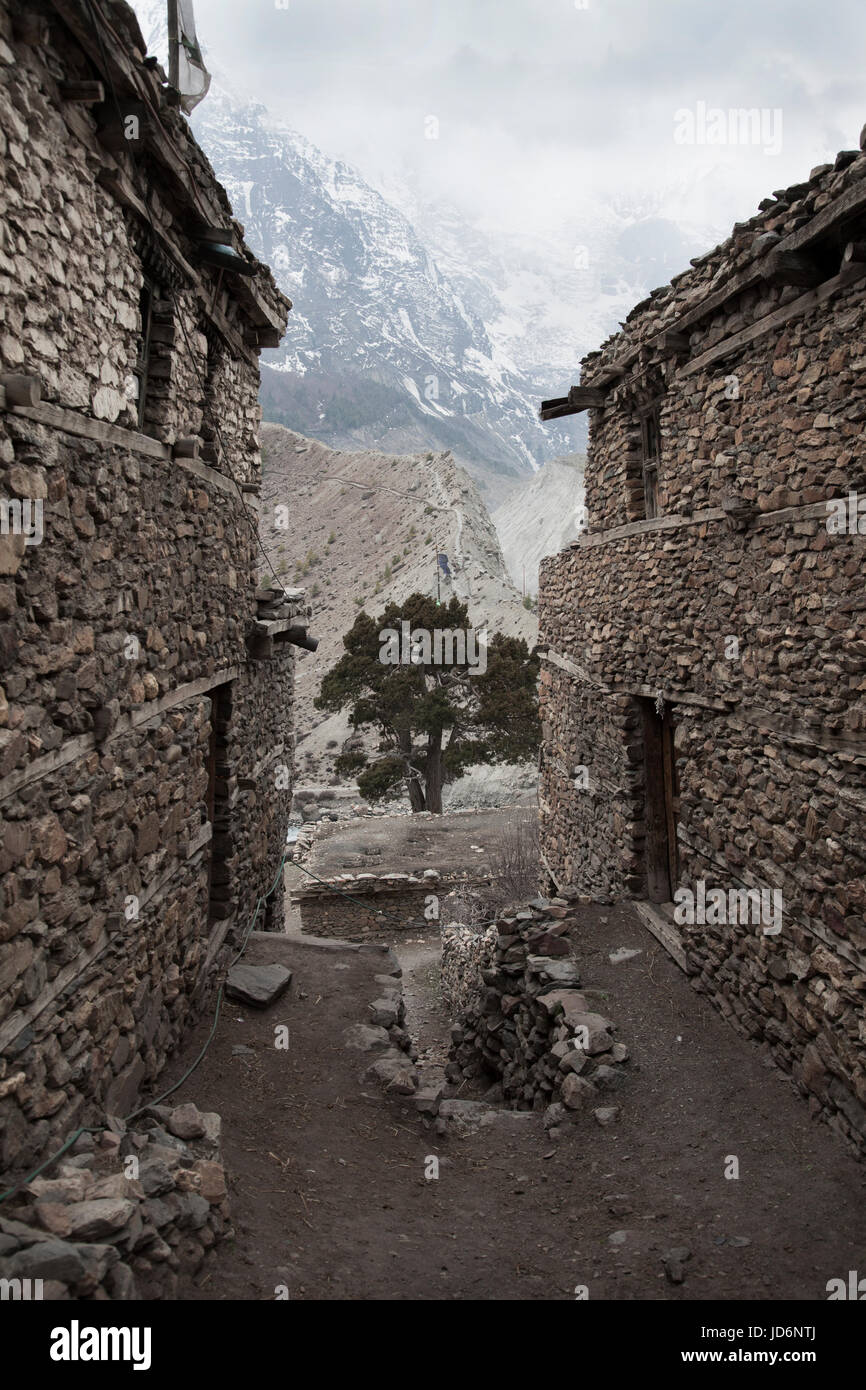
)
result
[(662, 803)]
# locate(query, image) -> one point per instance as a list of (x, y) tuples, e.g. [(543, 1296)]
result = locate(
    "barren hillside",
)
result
[(361, 529), (540, 517)]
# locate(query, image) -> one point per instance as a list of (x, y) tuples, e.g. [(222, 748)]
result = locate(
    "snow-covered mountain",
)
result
[(412, 330)]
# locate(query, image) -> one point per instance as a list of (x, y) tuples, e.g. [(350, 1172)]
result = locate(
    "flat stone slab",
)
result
[(258, 985), (365, 1038)]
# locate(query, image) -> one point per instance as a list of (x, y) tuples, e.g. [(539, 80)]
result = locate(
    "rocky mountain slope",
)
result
[(362, 529), (412, 330), (540, 518)]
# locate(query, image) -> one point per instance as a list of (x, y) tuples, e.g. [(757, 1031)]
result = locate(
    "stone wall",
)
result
[(357, 907), (146, 681), (521, 1017), (125, 1214), (737, 615)]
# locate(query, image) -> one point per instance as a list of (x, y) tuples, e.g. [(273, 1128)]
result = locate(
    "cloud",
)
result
[(543, 106)]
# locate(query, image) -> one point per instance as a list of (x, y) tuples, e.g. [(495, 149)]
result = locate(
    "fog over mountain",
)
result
[(413, 329)]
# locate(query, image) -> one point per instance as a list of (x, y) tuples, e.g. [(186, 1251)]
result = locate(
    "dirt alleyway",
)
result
[(327, 1174)]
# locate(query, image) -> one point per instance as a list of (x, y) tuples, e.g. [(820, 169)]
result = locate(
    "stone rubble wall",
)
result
[(90, 1231), (124, 630), (357, 907), (522, 1018), (801, 377), (465, 954), (770, 741)]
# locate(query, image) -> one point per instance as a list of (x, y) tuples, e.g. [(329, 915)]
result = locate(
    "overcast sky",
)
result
[(541, 103)]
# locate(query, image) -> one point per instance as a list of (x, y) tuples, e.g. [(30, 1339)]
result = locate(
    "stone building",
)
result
[(704, 678), (145, 678)]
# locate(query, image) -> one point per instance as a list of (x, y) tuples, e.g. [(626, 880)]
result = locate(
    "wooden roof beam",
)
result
[(579, 398)]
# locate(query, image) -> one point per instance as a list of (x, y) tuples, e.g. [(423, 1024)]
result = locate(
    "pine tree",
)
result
[(435, 717)]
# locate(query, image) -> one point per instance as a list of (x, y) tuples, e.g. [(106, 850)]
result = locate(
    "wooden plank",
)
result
[(21, 390), (208, 475), (671, 522), (72, 422), (587, 397), (665, 933), (556, 410), (669, 772), (87, 93)]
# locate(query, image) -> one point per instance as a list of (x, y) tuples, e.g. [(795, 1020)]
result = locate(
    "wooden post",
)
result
[(22, 390), (187, 447)]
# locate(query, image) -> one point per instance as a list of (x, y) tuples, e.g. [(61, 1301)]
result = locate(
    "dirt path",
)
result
[(327, 1174)]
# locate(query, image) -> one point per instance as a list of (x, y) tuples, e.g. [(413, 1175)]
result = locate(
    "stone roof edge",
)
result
[(123, 44), (786, 216)]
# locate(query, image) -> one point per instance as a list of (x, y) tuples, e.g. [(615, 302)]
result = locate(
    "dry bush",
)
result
[(514, 868)]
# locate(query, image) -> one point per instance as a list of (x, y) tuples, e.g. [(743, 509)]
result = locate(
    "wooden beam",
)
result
[(21, 390), (587, 397), (73, 422), (579, 398), (801, 305), (671, 341), (664, 932), (85, 93), (186, 448), (790, 268), (556, 409)]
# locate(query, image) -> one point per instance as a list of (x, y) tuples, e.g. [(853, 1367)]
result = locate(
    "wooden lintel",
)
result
[(790, 268), (85, 93), (671, 341)]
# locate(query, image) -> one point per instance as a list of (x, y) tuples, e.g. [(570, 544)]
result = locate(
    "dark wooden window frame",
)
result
[(146, 299), (650, 436)]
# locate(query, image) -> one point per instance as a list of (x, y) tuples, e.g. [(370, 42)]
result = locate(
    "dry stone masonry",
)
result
[(146, 678), (523, 1019), (355, 907), (704, 681), (93, 1230)]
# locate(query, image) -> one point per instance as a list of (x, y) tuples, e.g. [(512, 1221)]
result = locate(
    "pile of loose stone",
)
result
[(90, 1230), (384, 1032), (522, 1018)]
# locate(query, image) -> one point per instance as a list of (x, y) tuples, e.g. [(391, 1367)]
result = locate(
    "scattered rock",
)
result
[(257, 985), (364, 1037), (185, 1122), (623, 953), (673, 1261), (606, 1114)]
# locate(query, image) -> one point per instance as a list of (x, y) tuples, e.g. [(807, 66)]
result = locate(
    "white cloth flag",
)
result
[(187, 71)]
